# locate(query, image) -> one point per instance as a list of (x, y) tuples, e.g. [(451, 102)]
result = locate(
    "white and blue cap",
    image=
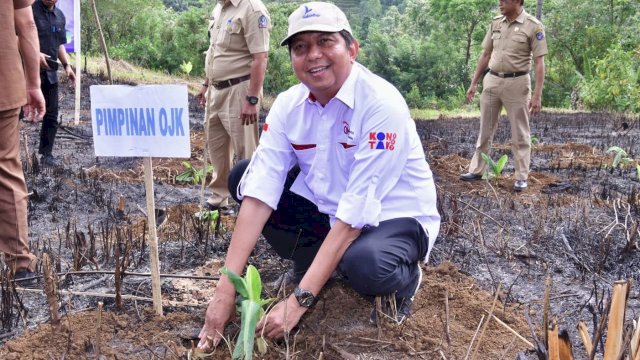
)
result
[(316, 16)]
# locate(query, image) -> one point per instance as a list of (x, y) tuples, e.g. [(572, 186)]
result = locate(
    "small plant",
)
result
[(621, 156), (638, 172), (191, 174), (251, 311), (186, 67), (494, 169), (211, 216), (534, 139)]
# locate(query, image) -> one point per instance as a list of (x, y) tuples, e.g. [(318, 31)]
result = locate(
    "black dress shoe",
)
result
[(25, 278), (470, 177)]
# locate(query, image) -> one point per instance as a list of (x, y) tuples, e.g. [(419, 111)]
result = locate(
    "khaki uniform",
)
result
[(13, 191), (237, 29), (512, 46)]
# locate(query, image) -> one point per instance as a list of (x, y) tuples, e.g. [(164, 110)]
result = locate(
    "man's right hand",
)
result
[(219, 312), (201, 97), (43, 61), (471, 92)]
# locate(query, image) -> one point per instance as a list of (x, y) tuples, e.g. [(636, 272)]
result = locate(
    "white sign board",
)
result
[(143, 121)]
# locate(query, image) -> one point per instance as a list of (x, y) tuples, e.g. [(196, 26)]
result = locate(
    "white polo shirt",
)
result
[(360, 157)]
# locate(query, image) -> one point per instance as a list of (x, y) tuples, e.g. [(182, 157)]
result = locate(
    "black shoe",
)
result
[(470, 177), (25, 278), (49, 161), (222, 210), (395, 308)]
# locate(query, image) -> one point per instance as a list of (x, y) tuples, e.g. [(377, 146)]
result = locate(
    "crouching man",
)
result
[(339, 182)]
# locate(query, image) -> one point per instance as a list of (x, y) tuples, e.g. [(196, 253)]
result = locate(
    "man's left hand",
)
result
[(535, 105), (249, 113), (281, 319), (70, 74)]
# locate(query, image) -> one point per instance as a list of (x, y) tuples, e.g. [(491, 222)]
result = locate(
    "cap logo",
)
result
[(308, 13)]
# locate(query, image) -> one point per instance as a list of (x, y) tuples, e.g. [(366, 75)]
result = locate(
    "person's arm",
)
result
[(64, 59), (258, 70), (30, 50), (536, 100), (252, 217), (483, 63), (287, 313)]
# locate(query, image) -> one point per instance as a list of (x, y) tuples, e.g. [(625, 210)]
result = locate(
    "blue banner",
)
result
[(67, 8)]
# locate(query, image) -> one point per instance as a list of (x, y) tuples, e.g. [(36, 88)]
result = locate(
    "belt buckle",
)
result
[(502, 75)]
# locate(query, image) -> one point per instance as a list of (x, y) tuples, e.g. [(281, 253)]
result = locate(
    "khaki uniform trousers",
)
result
[(514, 94), (13, 196), (227, 136)]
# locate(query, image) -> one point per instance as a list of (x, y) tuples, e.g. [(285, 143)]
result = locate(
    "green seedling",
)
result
[(621, 156), (191, 174), (211, 216), (638, 172), (494, 168), (251, 311), (534, 139)]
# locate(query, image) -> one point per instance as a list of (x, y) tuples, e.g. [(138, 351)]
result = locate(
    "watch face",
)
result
[(252, 100), (305, 297)]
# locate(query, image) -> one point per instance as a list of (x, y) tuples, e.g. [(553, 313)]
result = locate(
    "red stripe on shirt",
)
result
[(346, 146), (303, 146)]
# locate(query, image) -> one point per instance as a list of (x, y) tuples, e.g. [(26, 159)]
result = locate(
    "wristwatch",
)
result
[(252, 99), (305, 297)]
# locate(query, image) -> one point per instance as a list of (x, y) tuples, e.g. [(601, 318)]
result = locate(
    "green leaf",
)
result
[(501, 163), (237, 281), (249, 320), (492, 166), (254, 285), (638, 172)]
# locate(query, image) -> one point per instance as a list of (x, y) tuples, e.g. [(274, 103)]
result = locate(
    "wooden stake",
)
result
[(486, 323), (103, 44), (615, 329), (513, 331), (545, 314), (121, 205), (564, 346), (50, 287), (153, 237), (552, 342), (584, 335), (98, 329), (635, 342), (27, 157)]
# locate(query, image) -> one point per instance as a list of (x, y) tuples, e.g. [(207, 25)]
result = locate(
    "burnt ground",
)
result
[(573, 224)]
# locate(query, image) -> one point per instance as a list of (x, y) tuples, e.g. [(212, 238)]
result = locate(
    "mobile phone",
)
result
[(53, 64)]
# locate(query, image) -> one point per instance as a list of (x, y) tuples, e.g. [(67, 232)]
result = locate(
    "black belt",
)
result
[(219, 85), (508, 75)]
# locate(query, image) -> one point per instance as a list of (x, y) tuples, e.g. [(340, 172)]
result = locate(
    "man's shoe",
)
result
[(49, 161), (396, 308), (520, 185), (222, 210), (470, 177), (25, 278)]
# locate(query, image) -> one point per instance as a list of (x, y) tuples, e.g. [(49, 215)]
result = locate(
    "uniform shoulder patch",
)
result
[(262, 22), (539, 34)]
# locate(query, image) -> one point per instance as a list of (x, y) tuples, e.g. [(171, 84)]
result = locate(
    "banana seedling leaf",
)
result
[(249, 320), (501, 163), (237, 281), (254, 285), (638, 172), (488, 175)]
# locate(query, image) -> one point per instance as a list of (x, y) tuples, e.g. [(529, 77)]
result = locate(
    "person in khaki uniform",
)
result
[(512, 40), (20, 78), (235, 67)]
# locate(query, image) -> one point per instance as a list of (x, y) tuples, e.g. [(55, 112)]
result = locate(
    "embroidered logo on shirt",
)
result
[(262, 22), (382, 141), (307, 13), (539, 34)]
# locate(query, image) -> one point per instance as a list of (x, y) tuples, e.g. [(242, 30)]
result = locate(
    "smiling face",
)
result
[(322, 61), (510, 8)]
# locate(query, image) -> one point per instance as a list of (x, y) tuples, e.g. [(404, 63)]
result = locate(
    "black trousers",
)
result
[(50, 121), (383, 260)]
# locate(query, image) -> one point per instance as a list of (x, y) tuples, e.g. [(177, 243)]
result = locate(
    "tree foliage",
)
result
[(427, 48)]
